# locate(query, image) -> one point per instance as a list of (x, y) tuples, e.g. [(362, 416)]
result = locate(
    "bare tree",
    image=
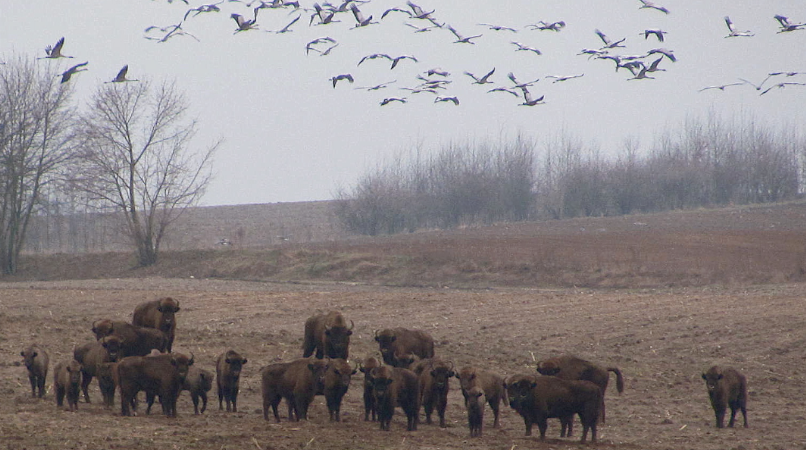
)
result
[(34, 142), (136, 156)]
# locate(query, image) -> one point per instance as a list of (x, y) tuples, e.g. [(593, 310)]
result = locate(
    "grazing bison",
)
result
[(228, 375), (478, 385), (401, 341), (367, 365), (91, 355), (198, 382), (337, 381), (435, 376), (727, 387), (393, 386), (297, 382), (570, 367), (328, 335), (161, 375), (135, 340), (67, 381), (36, 361), (539, 398), (159, 314)]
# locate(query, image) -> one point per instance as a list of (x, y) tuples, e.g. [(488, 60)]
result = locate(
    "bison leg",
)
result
[(719, 412), (527, 422), (59, 396), (494, 405), (85, 385), (194, 396), (542, 425), (41, 386), (220, 398)]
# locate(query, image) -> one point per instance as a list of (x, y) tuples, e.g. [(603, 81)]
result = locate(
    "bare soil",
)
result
[(662, 340)]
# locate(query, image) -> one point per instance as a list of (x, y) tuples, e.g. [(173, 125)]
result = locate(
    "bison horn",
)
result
[(352, 324), (451, 363), (192, 357), (376, 333)]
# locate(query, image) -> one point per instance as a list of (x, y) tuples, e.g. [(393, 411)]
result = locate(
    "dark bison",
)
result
[(91, 355), (198, 382), (67, 381), (479, 386), (297, 382), (328, 335), (337, 381), (537, 399), (727, 387), (36, 361), (435, 376), (135, 340), (228, 375), (570, 367), (161, 375), (369, 398), (105, 372), (395, 342), (159, 314), (394, 386)]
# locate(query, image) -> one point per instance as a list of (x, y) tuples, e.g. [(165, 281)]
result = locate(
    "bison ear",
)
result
[(704, 377), (327, 331), (534, 384), (363, 369), (355, 371), (377, 339), (718, 377), (22, 353), (393, 339), (451, 373), (244, 361), (227, 361), (349, 332)]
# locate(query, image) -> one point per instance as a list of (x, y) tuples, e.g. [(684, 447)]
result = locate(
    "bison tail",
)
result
[(619, 378), (506, 394)]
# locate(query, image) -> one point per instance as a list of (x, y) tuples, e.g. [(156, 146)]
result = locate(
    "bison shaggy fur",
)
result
[(228, 375), (435, 376), (537, 399), (367, 365), (36, 361), (159, 314), (393, 342), (727, 387), (161, 375), (135, 340), (67, 381), (91, 356), (337, 382), (394, 386), (198, 382), (478, 386), (328, 335), (297, 382)]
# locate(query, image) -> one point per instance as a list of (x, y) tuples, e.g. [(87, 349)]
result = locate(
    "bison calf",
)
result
[(369, 398), (537, 399), (228, 375), (36, 361), (67, 381), (337, 381), (91, 356), (198, 382), (327, 335), (402, 341), (479, 386), (159, 314), (435, 378), (297, 382), (393, 386), (727, 387)]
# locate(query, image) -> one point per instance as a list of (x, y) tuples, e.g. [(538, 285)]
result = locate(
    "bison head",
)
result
[(441, 372), (385, 339), (339, 373), (182, 364), (113, 345), (102, 328), (74, 371), (235, 362), (338, 338), (167, 307), (548, 367), (712, 378), (381, 381), (519, 390), (28, 356), (318, 368)]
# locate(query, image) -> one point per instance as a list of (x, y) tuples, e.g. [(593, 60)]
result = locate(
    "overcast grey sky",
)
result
[(290, 136)]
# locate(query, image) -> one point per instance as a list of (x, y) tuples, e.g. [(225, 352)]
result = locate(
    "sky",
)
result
[(290, 136)]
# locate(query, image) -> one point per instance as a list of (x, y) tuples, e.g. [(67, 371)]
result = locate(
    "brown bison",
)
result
[(337, 381), (727, 387), (328, 335), (91, 355), (161, 375), (36, 361), (228, 375), (297, 382), (570, 367), (401, 341), (135, 340), (198, 382), (393, 386), (435, 376), (477, 386), (367, 365), (105, 372), (67, 381), (537, 399), (159, 314)]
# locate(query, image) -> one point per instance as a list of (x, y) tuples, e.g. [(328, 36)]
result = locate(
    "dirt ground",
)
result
[(661, 339)]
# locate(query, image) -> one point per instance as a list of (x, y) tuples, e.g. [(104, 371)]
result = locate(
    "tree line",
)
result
[(706, 162), (128, 151)]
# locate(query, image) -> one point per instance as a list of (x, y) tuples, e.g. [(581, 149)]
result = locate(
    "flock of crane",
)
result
[(436, 81)]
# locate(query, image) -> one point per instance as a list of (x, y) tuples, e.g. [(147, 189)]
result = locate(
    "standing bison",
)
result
[(479, 386), (135, 340), (328, 335), (367, 365), (570, 367), (67, 381), (161, 375), (297, 382), (435, 376), (537, 399), (727, 387), (393, 386), (401, 341), (92, 356), (159, 314), (228, 375), (337, 381), (198, 382), (36, 361)]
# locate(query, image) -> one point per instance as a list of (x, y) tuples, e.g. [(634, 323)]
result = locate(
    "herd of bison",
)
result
[(132, 357)]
